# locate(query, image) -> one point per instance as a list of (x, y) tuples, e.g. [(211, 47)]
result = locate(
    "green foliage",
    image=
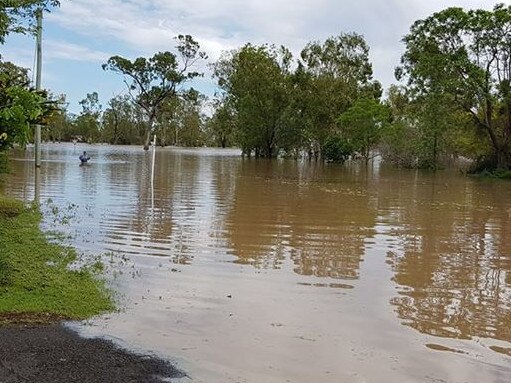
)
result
[(270, 109), (5, 272), (363, 123), (464, 56), (426, 131), (122, 122), (88, 124), (399, 138), (337, 149), (255, 80), (20, 109), (154, 81), (18, 16), (35, 275), (10, 207), (332, 76), (221, 127), (499, 174), (20, 106), (181, 120)]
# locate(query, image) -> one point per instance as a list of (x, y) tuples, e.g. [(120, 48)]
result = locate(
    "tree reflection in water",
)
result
[(454, 264), (282, 212)]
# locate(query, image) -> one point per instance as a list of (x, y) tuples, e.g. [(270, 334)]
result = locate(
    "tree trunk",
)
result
[(147, 139), (149, 127)]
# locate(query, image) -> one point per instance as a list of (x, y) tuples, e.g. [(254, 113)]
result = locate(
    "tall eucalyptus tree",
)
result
[(159, 78)]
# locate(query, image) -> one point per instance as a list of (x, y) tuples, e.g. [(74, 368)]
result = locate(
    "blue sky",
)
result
[(82, 34)]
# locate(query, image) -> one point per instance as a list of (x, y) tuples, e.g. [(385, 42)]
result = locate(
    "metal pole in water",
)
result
[(154, 158), (39, 50), (37, 186), (152, 172)]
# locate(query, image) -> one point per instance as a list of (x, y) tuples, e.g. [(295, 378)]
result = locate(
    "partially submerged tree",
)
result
[(424, 131), (255, 82), (88, 123), (222, 125), (181, 121), (333, 74), (120, 123), (362, 125), (467, 56), (153, 81)]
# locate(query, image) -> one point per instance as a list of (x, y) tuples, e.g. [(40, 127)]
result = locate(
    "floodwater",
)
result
[(244, 270)]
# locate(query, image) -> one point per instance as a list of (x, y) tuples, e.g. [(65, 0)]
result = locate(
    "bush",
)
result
[(337, 149), (487, 167), (10, 207)]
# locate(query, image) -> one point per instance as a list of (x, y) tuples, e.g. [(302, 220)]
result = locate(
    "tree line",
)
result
[(453, 99)]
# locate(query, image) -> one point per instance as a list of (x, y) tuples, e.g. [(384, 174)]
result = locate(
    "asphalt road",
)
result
[(54, 354)]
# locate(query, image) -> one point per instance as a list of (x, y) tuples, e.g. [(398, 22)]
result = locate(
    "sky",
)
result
[(82, 34)]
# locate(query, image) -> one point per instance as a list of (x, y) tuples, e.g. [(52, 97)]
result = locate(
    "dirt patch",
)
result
[(54, 354), (9, 319)]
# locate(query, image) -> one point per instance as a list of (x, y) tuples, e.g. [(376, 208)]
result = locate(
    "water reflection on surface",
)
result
[(294, 270), (285, 211), (454, 261)]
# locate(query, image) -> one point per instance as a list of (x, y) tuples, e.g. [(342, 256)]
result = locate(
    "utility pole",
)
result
[(39, 51)]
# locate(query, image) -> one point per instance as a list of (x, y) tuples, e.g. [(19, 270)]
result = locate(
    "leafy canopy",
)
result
[(154, 80), (18, 16), (466, 55)]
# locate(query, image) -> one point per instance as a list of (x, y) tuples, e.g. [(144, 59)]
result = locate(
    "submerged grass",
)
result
[(35, 279)]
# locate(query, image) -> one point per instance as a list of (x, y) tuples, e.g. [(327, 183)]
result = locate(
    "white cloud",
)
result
[(148, 26), (134, 27), (68, 51)]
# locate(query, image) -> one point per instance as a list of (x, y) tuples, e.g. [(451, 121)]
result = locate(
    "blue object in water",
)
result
[(84, 158)]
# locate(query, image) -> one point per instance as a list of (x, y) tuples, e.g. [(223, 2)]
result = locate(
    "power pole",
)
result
[(39, 51)]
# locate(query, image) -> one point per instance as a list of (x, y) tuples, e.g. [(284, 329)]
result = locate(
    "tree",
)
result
[(466, 55), (222, 125), (88, 123), (332, 75), (423, 131), (190, 119), (57, 122), (19, 106), (255, 81), (399, 140), (121, 123), (18, 16), (362, 125), (153, 81)]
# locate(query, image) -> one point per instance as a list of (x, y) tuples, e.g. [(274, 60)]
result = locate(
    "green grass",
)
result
[(10, 208), (35, 279)]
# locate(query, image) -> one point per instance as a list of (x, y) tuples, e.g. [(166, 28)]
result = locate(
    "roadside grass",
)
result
[(36, 282)]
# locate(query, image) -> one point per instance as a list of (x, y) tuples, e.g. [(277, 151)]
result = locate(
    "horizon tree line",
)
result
[(454, 99)]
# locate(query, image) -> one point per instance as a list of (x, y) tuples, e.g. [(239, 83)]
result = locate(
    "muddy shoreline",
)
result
[(54, 353)]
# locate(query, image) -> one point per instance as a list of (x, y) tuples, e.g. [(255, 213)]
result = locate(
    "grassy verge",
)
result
[(36, 283)]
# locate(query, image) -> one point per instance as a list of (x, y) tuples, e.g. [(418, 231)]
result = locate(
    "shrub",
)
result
[(337, 149), (10, 207)]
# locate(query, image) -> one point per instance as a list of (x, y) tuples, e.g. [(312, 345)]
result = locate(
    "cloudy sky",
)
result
[(82, 34)]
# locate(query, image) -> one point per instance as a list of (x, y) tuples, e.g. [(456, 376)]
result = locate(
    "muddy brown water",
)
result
[(244, 270)]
